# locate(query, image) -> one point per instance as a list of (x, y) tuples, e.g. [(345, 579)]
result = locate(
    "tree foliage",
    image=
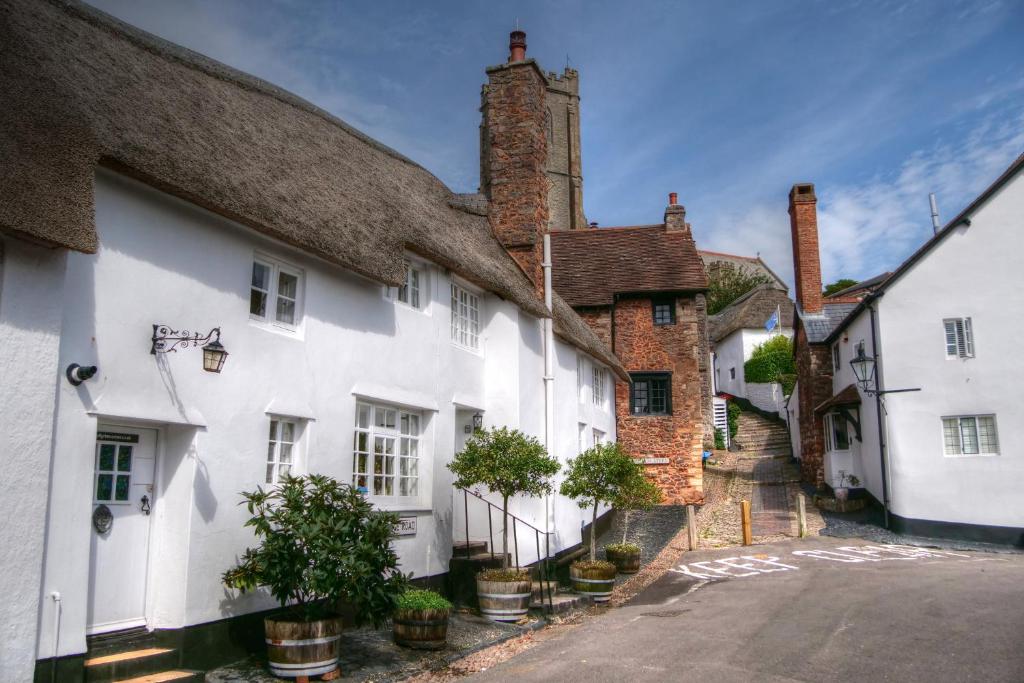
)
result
[(320, 542), (507, 462), (728, 282), (595, 476), (637, 492), (838, 286), (733, 419), (772, 361)]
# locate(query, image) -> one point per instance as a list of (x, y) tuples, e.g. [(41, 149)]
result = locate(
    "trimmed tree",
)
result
[(321, 542), (595, 476), (636, 493), (508, 463)]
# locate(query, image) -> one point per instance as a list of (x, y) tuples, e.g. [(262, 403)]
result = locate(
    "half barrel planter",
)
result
[(627, 561), (504, 600), (596, 582), (302, 648), (421, 629)]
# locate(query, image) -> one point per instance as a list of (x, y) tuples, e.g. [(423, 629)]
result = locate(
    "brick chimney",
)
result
[(675, 215), (803, 220), (513, 150)]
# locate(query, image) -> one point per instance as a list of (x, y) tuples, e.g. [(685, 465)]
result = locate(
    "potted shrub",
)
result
[(595, 476), (637, 492), (509, 463), (421, 620), (320, 542), (841, 491)]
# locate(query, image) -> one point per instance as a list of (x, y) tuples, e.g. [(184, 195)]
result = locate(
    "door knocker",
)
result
[(144, 505), (102, 519)]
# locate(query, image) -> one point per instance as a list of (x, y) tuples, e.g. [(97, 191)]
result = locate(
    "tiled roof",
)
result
[(847, 397), (820, 325), (751, 310), (592, 266)]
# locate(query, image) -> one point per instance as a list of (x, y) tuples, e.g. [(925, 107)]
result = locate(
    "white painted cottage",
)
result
[(937, 436), (368, 315)]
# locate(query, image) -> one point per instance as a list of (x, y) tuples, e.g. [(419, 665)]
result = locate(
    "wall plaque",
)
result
[(651, 461), (117, 436), (406, 526)]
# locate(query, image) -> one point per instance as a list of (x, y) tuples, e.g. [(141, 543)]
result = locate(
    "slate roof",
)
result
[(751, 263), (592, 266), (81, 89), (820, 325), (751, 310)]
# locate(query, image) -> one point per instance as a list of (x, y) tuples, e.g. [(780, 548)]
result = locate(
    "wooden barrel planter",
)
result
[(597, 582), (302, 648), (627, 561), (504, 600), (422, 629)]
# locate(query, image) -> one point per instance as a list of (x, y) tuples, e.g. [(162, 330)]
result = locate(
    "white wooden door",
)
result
[(122, 483)]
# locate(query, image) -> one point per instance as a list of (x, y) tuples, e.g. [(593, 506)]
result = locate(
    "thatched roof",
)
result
[(751, 311), (80, 89)]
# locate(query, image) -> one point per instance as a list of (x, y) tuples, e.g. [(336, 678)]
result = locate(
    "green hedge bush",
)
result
[(733, 419), (772, 361)]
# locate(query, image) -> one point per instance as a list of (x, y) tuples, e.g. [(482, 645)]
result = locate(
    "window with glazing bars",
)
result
[(280, 449), (599, 386), (465, 318), (386, 453), (970, 435), (651, 393), (664, 311)]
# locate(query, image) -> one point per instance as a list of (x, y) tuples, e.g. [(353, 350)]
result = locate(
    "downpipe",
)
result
[(549, 374), (57, 609), (878, 414)]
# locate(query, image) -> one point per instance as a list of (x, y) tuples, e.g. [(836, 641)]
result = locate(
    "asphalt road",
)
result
[(802, 611)]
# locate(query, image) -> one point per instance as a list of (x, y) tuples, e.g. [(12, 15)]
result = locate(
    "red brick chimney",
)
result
[(803, 220), (513, 147), (675, 215)]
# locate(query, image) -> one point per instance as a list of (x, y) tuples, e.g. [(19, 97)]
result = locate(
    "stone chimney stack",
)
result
[(803, 220), (675, 215), (513, 150)]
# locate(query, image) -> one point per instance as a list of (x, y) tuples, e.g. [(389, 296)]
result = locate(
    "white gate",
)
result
[(722, 417)]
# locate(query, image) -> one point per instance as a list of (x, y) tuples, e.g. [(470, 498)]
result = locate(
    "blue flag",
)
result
[(772, 322)]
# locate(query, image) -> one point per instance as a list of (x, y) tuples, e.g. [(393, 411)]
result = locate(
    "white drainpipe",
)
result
[(549, 373)]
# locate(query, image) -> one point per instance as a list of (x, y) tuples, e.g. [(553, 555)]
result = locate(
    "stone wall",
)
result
[(679, 437), (813, 371), (564, 161)]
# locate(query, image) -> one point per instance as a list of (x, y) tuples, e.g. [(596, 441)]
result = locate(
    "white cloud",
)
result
[(869, 227)]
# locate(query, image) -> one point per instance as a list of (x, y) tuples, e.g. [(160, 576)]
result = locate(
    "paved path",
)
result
[(770, 512), (811, 610)]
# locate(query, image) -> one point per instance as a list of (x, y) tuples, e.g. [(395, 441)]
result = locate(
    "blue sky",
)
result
[(877, 102)]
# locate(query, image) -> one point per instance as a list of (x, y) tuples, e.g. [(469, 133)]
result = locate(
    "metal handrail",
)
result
[(541, 562)]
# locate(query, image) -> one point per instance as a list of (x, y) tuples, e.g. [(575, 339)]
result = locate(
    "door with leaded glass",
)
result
[(122, 499)]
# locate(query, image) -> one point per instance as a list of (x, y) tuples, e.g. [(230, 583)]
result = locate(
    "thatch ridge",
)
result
[(83, 89)]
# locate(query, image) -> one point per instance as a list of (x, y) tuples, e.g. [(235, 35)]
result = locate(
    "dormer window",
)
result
[(664, 310)]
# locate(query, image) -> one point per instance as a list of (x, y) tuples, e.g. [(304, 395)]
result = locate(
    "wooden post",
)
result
[(801, 514), (691, 526), (748, 537)]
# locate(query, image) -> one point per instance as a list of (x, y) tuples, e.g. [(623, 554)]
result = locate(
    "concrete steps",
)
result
[(138, 665), (562, 600), (759, 436)]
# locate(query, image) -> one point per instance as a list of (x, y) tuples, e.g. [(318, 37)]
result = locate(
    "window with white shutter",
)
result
[(970, 435), (959, 338)]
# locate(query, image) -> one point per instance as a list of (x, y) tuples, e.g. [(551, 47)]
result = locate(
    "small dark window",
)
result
[(651, 394), (732, 373), (664, 311)]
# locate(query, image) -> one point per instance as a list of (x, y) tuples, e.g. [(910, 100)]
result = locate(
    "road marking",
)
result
[(755, 565)]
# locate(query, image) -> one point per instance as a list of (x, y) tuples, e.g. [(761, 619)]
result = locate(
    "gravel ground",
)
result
[(371, 655)]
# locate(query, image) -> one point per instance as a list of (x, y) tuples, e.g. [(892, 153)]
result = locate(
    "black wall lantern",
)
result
[(478, 422), (863, 369), (167, 340)]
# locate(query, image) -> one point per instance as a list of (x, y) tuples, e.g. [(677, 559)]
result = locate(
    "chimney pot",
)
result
[(516, 46), (673, 198)]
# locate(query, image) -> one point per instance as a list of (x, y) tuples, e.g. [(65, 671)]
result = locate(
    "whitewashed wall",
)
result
[(975, 272), (162, 260), (767, 396), (792, 416), (732, 352), (31, 297)]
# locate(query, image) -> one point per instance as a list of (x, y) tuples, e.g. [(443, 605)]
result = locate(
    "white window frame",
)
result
[(582, 438), (600, 380), (405, 436), (958, 334), (466, 320), (599, 436), (278, 457), (277, 267), (836, 358), (415, 293), (960, 445), (830, 421), (581, 378)]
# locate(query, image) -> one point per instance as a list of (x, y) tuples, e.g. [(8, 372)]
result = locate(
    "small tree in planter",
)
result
[(321, 542), (509, 463), (636, 493), (596, 476)]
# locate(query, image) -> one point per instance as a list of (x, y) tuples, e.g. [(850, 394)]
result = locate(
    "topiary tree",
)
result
[(321, 542), (508, 463), (596, 476), (637, 492), (772, 361)]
